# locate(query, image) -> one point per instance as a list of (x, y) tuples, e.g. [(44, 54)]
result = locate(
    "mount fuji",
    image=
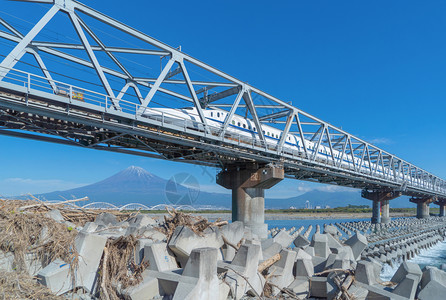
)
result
[(136, 185)]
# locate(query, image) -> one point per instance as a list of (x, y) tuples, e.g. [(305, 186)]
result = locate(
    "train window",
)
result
[(212, 114), (233, 122), (244, 125), (267, 133), (238, 123), (218, 114)]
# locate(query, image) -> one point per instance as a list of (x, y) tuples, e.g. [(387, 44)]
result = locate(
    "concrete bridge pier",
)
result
[(376, 212), (422, 206), (442, 204), (381, 207), (248, 183)]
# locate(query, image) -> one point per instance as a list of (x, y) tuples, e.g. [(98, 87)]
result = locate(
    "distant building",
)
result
[(318, 207), (307, 204)]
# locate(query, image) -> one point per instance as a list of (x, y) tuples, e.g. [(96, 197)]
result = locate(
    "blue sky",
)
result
[(377, 69)]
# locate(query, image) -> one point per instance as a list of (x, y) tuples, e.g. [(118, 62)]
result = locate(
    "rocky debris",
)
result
[(115, 256)]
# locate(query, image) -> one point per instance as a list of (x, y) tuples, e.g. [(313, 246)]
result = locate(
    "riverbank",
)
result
[(292, 216)]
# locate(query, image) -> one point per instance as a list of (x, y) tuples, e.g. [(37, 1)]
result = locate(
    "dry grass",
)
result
[(26, 230), (21, 286), (120, 267), (196, 223), (31, 232)]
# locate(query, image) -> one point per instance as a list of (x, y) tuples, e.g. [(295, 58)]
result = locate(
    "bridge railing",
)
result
[(76, 94)]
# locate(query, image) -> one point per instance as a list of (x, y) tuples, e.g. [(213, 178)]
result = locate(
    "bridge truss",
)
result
[(89, 93)]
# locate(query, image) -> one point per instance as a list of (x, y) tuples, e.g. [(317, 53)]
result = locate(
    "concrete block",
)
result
[(301, 287), (141, 220), (302, 254), (6, 261), (320, 245), (341, 264), (330, 261), (33, 264), (378, 292), (160, 258), (149, 288), (377, 267), (223, 290), (56, 276), (358, 242), (202, 265), (304, 267), (245, 262), (198, 280), (283, 238), (357, 293), (301, 241), (310, 251), (272, 250), (90, 248), (320, 287), (432, 274), (408, 286), (139, 250), (55, 215), (318, 263), (153, 234), (90, 227), (282, 270), (184, 240), (433, 290), (332, 230), (255, 242), (233, 232), (333, 243), (347, 253), (106, 219), (405, 269), (365, 272)]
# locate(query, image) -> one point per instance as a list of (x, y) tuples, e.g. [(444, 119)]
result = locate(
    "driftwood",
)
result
[(268, 263), (104, 272), (50, 204), (331, 270), (247, 281), (285, 291), (225, 240), (221, 223), (347, 282), (388, 283)]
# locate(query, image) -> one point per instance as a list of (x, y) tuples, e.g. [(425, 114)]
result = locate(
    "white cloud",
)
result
[(214, 188), (21, 186), (381, 141)]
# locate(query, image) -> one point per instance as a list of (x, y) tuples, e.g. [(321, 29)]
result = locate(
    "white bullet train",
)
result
[(245, 127)]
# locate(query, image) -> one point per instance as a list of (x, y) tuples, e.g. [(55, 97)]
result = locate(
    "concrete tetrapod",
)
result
[(244, 264), (56, 275)]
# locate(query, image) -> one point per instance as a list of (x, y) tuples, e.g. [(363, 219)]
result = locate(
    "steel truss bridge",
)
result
[(91, 91)]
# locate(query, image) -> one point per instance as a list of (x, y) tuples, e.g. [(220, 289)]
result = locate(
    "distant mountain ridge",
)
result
[(136, 185)]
